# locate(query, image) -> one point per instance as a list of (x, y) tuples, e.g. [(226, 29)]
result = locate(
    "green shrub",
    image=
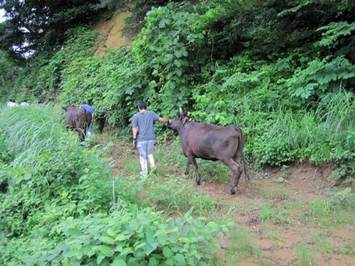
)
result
[(49, 171), (113, 84), (168, 44), (126, 237)]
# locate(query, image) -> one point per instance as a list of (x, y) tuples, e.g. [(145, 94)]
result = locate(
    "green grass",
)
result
[(179, 196), (33, 130), (132, 166), (323, 244), (274, 192), (304, 255), (275, 236), (276, 214), (347, 249), (241, 245), (338, 209)]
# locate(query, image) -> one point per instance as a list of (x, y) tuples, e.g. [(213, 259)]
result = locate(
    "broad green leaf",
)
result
[(104, 250), (107, 240), (167, 252), (118, 262)]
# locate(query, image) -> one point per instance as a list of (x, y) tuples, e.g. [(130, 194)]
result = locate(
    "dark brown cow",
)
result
[(211, 142), (76, 118)]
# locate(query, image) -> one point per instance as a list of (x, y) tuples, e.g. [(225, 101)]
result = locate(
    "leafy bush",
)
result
[(168, 44), (335, 31), (136, 237), (112, 84), (126, 237), (48, 172), (320, 77)]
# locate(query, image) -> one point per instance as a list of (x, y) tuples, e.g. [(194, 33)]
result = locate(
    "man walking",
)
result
[(89, 117), (144, 137)]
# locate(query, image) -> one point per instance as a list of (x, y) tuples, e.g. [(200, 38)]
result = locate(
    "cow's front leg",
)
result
[(198, 176)]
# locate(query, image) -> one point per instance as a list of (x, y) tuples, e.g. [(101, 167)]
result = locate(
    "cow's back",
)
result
[(210, 141), (75, 117)]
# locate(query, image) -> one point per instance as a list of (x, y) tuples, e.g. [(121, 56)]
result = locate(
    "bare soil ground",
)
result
[(273, 210), (278, 241), (112, 33)]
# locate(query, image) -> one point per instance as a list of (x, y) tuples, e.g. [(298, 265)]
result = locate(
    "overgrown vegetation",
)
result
[(281, 70), (284, 78), (57, 205)]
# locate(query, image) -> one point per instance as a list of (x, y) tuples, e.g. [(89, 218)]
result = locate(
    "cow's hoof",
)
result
[(232, 191), (198, 181)]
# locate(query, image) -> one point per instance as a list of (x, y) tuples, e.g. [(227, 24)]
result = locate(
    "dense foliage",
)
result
[(283, 71), (34, 26), (57, 205)]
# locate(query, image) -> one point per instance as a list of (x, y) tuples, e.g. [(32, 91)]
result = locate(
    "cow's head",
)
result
[(178, 123)]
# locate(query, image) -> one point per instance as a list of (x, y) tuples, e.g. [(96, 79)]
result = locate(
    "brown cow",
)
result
[(76, 118), (211, 142)]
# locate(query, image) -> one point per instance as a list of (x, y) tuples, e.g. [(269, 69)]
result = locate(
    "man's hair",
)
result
[(141, 105), (88, 102)]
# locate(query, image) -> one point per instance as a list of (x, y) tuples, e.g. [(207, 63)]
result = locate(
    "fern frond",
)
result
[(334, 31)]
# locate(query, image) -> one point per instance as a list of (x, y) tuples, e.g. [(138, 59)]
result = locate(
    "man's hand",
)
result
[(134, 143), (163, 120)]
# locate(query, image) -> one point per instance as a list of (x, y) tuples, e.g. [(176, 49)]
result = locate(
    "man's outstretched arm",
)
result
[(163, 120)]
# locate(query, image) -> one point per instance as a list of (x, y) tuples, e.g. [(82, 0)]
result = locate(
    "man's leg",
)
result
[(90, 130), (90, 121), (142, 149), (150, 154)]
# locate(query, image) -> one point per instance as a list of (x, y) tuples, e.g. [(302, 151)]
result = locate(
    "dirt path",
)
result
[(279, 239), (282, 210)]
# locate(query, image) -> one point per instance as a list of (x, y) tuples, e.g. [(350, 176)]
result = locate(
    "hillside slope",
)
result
[(111, 33)]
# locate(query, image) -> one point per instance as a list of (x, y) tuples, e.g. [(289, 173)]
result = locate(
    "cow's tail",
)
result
[(241, 152)]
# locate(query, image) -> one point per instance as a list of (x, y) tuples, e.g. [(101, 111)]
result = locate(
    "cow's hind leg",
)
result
[(187, 170), (239, 158), (236, 173)]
